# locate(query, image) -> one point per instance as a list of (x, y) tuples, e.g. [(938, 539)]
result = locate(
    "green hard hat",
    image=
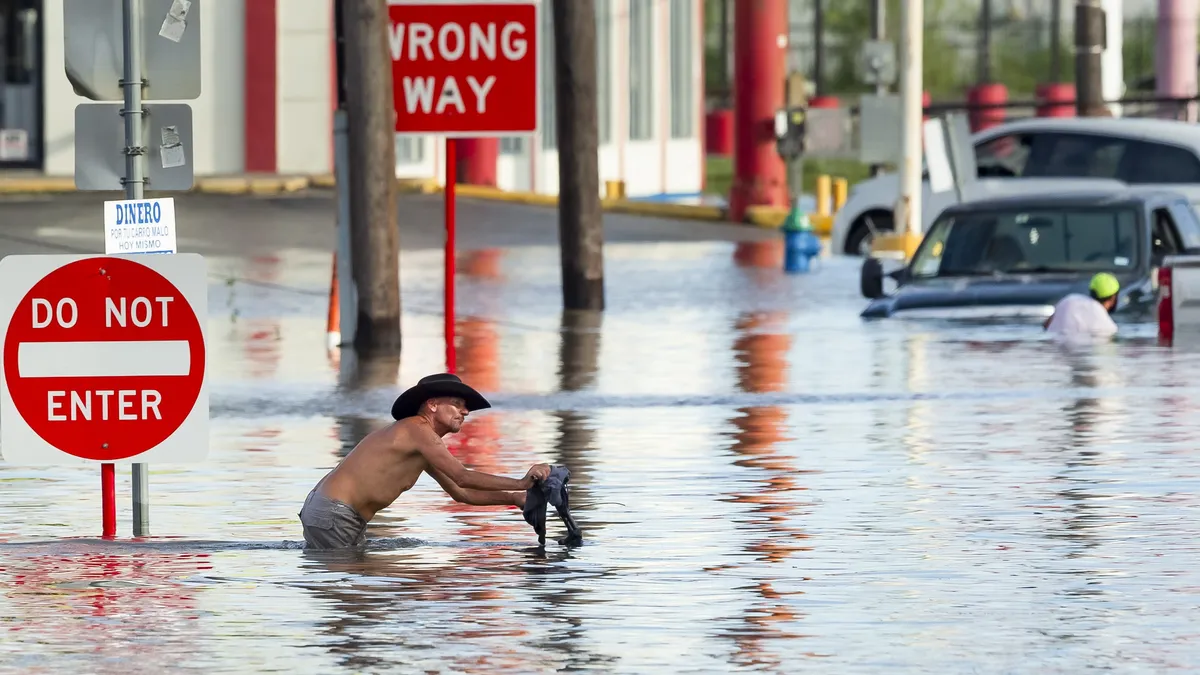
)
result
[(1104, 285)]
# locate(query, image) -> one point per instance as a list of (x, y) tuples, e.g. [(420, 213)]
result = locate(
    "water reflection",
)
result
[(578, 366), (918, 425), (364, 372), (482, 263), (561, 599), (262, 335), (95, 605), (395, 609), (761, 353), (1092, 418), (765, 254), (358, 374), (1094, 424), (477, 443)]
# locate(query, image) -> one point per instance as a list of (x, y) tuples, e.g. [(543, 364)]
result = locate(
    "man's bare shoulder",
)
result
[(411, 434)]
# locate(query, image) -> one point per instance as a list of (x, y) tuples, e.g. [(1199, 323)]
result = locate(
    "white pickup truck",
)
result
[(1037, 155)]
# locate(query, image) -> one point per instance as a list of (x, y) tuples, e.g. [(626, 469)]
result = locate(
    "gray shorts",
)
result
[(329, 523)]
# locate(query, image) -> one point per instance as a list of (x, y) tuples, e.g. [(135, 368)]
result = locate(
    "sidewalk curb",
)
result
[(227, 185), (772, 217), (37, 185), (239, 185), (627, 206), (760, 216)]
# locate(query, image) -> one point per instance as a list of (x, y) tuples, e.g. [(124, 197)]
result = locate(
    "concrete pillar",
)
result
[(759, 71)]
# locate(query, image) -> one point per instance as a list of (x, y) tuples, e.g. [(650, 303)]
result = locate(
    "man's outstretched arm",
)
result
[(477, 497), (438, 457)]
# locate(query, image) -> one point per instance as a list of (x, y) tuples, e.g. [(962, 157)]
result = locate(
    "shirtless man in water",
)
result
[(388, 462)]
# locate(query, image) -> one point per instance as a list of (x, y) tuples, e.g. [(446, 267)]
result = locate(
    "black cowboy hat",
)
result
[(409, 403)]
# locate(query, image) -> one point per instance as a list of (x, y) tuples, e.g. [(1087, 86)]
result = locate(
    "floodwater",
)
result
[(765, 483)]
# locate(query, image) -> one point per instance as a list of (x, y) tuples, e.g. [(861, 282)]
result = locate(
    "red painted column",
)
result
[(760, 30), (984, 95), (1056, 99), (259, 93), (477, 159)]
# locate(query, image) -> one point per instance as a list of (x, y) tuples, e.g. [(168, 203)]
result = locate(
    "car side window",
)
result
[(1003, 157), (1161, 163), (1164, 237), (1187, 224), (1079, 156)]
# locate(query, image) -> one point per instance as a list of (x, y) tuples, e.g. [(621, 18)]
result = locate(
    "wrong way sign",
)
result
[(465, 68), (103, 359)]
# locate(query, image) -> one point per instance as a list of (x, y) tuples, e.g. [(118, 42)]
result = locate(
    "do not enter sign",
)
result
[(103, 359)]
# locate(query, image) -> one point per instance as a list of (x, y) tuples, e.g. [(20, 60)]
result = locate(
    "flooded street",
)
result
[(765, 482)]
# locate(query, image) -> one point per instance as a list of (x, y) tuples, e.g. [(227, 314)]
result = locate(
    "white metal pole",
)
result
[(908, 208), (135, 179)]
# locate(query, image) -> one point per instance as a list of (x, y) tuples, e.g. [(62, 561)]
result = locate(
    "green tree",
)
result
[(1021, 57), (850, 24)]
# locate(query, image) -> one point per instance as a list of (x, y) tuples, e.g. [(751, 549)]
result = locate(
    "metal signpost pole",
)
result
[(121, 53), (507, 103), (451, 179), (135, 177)]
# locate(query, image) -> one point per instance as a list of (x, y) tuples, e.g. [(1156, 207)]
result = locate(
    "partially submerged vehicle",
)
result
[(1015, 257)]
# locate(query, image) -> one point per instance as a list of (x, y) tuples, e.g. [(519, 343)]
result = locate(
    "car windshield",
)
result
[(1084, 240)]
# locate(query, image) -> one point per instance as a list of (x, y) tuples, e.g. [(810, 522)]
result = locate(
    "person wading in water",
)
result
[(387, 462)]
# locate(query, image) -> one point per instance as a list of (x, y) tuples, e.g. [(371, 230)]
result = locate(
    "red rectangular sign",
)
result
[(465, 68)]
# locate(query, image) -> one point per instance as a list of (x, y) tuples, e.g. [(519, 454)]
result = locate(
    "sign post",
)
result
[(159, 59), (448, 303), (464, 69), (103, 360)]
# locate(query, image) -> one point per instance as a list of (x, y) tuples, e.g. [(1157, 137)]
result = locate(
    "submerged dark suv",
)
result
[(1018, 256)]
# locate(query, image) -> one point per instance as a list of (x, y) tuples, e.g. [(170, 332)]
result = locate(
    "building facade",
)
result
[(268, 96)]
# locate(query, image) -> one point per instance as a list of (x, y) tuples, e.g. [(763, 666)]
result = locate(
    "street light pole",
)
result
[(907, 213)]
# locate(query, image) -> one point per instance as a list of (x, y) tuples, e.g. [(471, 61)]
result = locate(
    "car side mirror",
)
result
[(871, 279)]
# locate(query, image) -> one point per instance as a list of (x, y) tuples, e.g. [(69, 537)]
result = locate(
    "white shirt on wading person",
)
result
[(1079, 316)]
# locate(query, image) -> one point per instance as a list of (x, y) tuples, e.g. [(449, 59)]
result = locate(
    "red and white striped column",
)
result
[(288, 89)]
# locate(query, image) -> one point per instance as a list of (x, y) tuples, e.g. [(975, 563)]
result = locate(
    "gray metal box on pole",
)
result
[(100, 146), (169, 32)]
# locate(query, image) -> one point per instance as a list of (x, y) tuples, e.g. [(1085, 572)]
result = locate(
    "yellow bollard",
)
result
[(614, 189), (841, 188), (824, 201)]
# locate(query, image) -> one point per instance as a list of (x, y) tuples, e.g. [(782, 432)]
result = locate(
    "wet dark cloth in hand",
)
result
[(555, 491)]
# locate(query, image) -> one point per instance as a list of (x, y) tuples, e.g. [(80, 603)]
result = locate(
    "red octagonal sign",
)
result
[(104, 359)]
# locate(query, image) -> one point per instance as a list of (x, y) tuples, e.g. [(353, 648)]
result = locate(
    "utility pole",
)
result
[(724, 48), (580, 224), (1089, 47), (1175, 57), (818, 47), (1055, 40), (907, 213), (985, 42), (374, 231), (878, 16)]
